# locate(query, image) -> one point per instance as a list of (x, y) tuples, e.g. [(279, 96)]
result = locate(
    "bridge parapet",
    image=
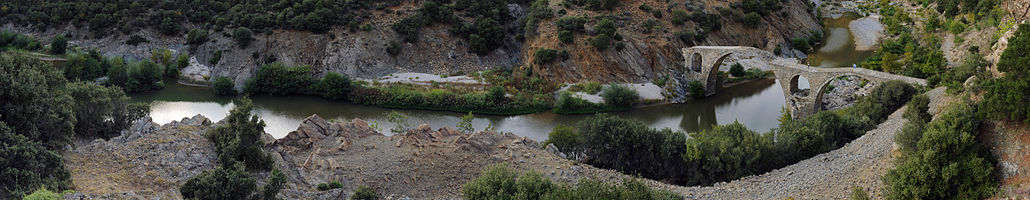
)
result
[(702, 63)]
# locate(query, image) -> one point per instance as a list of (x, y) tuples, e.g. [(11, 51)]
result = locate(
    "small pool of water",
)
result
[(838, 48), (756, 105)]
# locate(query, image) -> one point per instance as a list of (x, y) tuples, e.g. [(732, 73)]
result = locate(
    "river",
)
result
[(756, 104)]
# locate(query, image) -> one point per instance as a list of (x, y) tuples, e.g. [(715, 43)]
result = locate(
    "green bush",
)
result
[(949, 163), (1007, 97), (737, 70), (394, 48), (239, 139), (323, 187), (570, 23), (696, 90), (679, 16), (800, 44), (58, 45), (500, 182), (30, 163), (565, 139), (751, 20), (601, 42), (279, 79), (276, 182), (224, 86), (196, 36), (215, 58), (545, 55), (620, 95), (32, 104), (243, 37), (565, 36), (605, 27), (334, 86), (102, 111), (726, 152), (364, 193), (43, 194), (229, 182)]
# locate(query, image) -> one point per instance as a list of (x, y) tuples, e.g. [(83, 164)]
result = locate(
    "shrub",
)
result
[(500, 182), (136, 40), (224, 86), (58, 45), (620, 95), (752, 20), (679, 16), (102, 111), (601, 42), (30, 163), (737, 70), (565, 36), (465, 125), (43, 194), (570, 23), (215, 58), (239, 140), (221, 183), (32, 104), (276, 182), (243, 37), (495, 94), (565, 139), (334, 86), (364, 193), (323, 187), (545, 55), (279, 79), (605, 27), (1007, 97), (800, 44), (394, 47), (196, 36), (696, 89)]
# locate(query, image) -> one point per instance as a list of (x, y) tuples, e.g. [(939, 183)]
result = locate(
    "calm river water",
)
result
[(756, 104)]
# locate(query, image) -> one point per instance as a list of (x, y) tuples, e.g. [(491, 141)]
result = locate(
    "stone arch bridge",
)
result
[(703, 62)]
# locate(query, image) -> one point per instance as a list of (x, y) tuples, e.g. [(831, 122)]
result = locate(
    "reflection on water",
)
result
[(838, 49), (756, 104)]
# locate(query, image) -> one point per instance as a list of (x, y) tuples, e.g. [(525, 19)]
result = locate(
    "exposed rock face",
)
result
[(148, 161)]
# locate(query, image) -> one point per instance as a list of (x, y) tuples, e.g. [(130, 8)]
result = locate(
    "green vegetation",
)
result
[(224, 86), (948, 163), (500, 182), (196, 36), (545, 55), (589, 87), (102, 111), (30, 163), (565, 36), (729, 151), (696, 90), (280, 79), (364, 193), (44, 194), (485, 33), (334, 86), (239, 140), (619, 95), (58, 45), (1007, 97), (565, 138), (220, 183), (737, 70), (329, 186), (465, 125), (394, 48), (243, 37)]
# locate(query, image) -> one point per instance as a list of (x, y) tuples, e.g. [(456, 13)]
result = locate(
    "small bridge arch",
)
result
[(787, 71)]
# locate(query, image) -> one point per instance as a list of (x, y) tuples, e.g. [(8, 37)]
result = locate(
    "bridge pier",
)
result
[(702, 64)]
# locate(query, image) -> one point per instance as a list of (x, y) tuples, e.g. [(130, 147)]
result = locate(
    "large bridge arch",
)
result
[(702, 64)]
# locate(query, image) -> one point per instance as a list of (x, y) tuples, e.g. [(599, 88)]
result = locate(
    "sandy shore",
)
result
[(867, 32)]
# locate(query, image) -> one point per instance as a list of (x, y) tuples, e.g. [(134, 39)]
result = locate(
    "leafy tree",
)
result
[(565, 138), (334, 86), (737, 70), (679, 16), (58, 45), (601, 42), (196, 36), (726, 152), (496, 94), (1007, 97), (239, 140), (565, 36), (500, 182), (27, 165), (394, 48), (243, 37), (620, 95), (276, 182), (752, 20), (570, 23), (545, 55), (224, 86), (43, 194), (606, 27), (103, 111), (950, 164), (696, 89), (32, 104), (279, 79), (228, 182)]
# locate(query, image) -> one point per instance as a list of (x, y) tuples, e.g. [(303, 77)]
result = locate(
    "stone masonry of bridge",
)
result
[(703, 64)]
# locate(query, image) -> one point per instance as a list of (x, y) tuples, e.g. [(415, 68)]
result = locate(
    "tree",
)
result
[(737, 70), (103, 111), (243, 37), (27, 165), (752, 20), (565, 36), (364, 193), (545, 55), (565, 139), (696, 89), (394, 48), (620, 95), (334, 86), (496, 94), (605, 27), (196, 36), (58, 45), (601, 42), (239, 140), (228, 182), (726, 152), (31, 101), (276, 182), (1007, 97), (224, 86)]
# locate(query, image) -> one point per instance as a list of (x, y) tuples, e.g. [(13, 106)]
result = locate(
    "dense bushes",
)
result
[(224, 86), (545, 55), (31, 101), (196, 36), (407, 96), (220, 183), (500, 182), (1007, 97), (239, 140), (279, 79), (485, 33), (243, 37), (696, 90), (619, 95), (102, 111), (949, 163), (58, 45), (727, 151), (364, 193), (334, 86), (27, 165)]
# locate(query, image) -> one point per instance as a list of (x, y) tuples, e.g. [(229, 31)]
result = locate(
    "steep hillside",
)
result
[(645, 47)]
